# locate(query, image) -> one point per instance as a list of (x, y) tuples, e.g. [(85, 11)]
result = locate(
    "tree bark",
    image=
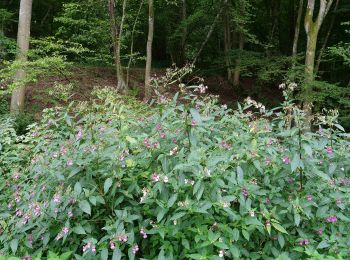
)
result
[(237, 71), (132, 43), (184, 32), (23, 36), (228, 45), (148, 89), (312, 28), (116, 38), (324, 45), (297, 30)]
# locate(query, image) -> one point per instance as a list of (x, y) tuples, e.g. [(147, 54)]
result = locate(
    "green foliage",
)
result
[(183, 180)]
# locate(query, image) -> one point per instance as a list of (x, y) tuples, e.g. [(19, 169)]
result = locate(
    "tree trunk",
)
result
[(23, 36), (237, 71), (324, 45), (116, 38), (297, 30), (148, 89), (312, 28), (228, 46), (132, 44), (184, 32)]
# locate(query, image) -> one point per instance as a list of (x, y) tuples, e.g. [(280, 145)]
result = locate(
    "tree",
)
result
[(117, 33), (148, 89), (23, 36), (312, 28), (297, 30)]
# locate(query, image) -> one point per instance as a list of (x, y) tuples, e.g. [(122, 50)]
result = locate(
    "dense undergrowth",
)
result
[(179, 180)]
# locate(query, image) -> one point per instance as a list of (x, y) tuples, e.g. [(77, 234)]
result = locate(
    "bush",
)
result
[(183, 180)]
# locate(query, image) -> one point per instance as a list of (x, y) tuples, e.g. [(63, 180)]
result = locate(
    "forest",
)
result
[(174, 129)]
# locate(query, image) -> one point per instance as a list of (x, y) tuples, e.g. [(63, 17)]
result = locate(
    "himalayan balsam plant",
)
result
[(180, 180)]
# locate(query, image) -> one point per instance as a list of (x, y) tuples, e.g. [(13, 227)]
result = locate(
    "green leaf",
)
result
[(196, 116), (178, 215), (279, 227), (281, 240), (172, 200), (323, 244), (295, 162), (104, 254), (161, 214), (66, 256), (77, 188), (296, 219), (14, 245), (85, 206), (221, 245), (108, 183), (161, 255), (117, 254), (246, 235), (79, 230)]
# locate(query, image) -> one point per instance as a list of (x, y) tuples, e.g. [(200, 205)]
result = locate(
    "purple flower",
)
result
[(332, 219), (193, 123), (158, 127), (245, 193), (135, 249), (286, 160), (155, 177), (70, 162), (79, 135), (329, 150), (143, 233), (338, 201), (57, 199)]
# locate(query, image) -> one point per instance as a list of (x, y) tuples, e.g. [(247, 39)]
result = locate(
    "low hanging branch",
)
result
[(210, 32)]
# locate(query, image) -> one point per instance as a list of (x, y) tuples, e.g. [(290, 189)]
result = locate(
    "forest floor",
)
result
[(85, 79)]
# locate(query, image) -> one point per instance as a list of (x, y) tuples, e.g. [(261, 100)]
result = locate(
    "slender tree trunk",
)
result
[(237, 71), (148, 89), (297, 30), (132, 43), (184, 32), (228, 45), (324, 45), (23, 36), (210, 32), (312, 28), (116, 43)]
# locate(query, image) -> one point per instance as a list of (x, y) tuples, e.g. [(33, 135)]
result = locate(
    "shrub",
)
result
[(184, 180)]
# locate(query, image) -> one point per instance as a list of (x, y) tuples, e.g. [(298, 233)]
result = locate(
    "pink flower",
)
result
[(135, 249), (155, 177), (57, 199), (329, 150), (162, 135), (111, 245), (193, 123), (79, 135), (143, 233), (65, 230), (332, 219), (267, 200), (70, 162), (158, 127), (286, 160), (309, 197), (338, 201), (320, 232)]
